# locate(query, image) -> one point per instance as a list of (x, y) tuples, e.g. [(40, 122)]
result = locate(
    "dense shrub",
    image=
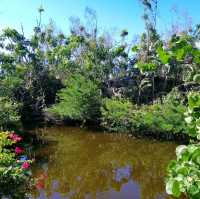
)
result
[(122, 116), (162, 118), (116, 115), (80, 100), (14, 167), (8, 111)]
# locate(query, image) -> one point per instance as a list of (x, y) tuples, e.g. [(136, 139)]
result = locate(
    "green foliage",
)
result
[(162, 118), (196, 78), (80, 100), (163, 56), (8, 111), (116, 115), (122, 116), (184, 173), (180, 56), (14, 177), (34, 69), (146, 67), (193, 115)]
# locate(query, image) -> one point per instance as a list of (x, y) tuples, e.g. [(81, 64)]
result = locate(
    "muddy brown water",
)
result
[(80, 164)]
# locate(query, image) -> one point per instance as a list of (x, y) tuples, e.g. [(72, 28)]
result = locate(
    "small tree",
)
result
[(80, 100)]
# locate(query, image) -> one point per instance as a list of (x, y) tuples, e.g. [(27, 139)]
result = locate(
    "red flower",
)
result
[(18, 150), (39, 185), (40, 182), (25, 165), (15, 137)]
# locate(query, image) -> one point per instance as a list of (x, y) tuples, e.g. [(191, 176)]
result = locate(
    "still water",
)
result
[(80, 164)]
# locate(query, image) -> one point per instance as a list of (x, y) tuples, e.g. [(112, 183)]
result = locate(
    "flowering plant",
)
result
[(14, 166)]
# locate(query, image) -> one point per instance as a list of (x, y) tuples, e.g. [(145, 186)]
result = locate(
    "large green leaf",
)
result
[(173, 188), (163, 55)]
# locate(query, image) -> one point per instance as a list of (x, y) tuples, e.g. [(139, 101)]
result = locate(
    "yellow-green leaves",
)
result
[(146, 67), (163, 55)]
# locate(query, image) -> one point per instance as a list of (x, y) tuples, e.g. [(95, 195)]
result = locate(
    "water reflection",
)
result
[(87, 165)]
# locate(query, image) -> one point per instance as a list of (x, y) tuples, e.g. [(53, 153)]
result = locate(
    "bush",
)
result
[(122, 116), (14, 168), (162, 118), (184, 173), (193, 115), (116, 115), (80, 100), (8, 111)]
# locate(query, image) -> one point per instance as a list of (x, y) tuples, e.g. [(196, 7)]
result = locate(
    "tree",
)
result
[(80, 100), (145, 51)]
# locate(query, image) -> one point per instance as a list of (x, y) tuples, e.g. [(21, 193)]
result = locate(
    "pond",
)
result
[(80, 164)]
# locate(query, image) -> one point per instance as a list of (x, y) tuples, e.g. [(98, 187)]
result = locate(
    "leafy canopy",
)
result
[(80, 100)]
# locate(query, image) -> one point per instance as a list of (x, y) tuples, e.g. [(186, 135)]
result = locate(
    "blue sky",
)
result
[(112, 14)]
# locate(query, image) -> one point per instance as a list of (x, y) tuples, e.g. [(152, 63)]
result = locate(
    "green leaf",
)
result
[(180, 149), (163, 56), (196, 78), (173, 188), (193, 190), (193, 100), (196, 156), (134, 49)]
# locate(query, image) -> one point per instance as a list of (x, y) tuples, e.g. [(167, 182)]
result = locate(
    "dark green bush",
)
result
[(80, 100), (123, 116), (166, 118), (116, 115), (8, 111)]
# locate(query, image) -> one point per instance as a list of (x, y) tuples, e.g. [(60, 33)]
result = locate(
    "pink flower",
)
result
[(15, 137), (25, 165), (18, 150)]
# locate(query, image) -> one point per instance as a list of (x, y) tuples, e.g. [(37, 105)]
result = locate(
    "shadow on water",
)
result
[(77, 164)]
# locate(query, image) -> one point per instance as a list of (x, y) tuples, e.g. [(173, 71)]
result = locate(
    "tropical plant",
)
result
[(180, 57), (193, 115), (14, 167), (184, 173), (80, 100)]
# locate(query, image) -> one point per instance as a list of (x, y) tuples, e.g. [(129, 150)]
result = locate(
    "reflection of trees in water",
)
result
[(90, 164)]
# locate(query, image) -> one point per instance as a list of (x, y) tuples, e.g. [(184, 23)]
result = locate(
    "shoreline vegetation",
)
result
[(151, 89)]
